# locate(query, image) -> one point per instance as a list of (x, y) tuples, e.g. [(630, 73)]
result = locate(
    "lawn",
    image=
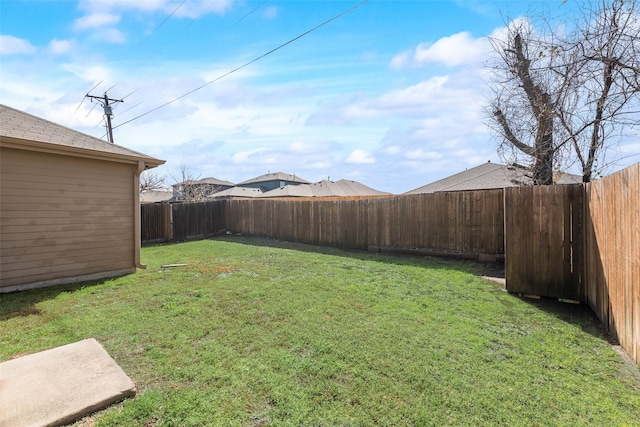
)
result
[(255, 332)]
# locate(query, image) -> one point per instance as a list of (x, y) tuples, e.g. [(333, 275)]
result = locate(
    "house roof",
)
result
[(275, 176), (302, 190), (210, 180), (155, 196), (215, 181), (325, 188), (343, 188), (23, 130), (488, 176), (236, 192)]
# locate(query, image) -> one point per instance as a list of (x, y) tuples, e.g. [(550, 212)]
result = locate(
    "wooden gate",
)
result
[(544, 241)]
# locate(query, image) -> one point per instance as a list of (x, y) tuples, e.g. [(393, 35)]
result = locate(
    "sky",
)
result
[(390, 93)]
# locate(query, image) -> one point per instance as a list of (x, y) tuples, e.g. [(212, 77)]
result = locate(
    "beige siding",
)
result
[(63, 218)]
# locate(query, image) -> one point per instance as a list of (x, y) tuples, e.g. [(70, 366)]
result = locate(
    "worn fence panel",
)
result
[(153, 222), (543, 231), (463, 222), (197, 220), (612, 254)]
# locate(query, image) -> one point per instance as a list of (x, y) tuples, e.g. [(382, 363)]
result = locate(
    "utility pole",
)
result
[(108, 111)]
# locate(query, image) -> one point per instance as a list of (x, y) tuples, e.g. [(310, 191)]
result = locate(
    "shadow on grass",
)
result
[(24, 303), (472, 267), (577, 314)]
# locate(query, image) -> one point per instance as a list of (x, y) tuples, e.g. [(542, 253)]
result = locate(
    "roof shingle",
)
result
[(25, 127)]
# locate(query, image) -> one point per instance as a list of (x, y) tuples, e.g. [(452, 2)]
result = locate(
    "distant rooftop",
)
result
[(342, 188), (155, 196), (325, 188), (236, 192), (275, 176), (302, 190), (210, 181), (489, 176)]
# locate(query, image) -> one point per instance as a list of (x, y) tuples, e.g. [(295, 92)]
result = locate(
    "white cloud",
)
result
[(195, 8), (391, 149), (113, 35), (455, 50), (61, 47), (270, 12), (360, 157), (96, 20), (401, 60), (10, 45), (188, 8), (421, 154), (458, 49), (259, 155), (438, 95), (92, 73)]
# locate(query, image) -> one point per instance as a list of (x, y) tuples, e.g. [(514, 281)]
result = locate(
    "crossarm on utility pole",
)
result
[(108, 112)]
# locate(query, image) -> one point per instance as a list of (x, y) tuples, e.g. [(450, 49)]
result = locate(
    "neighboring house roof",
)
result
[(236, 192), (302, 190), (215, 181), (26, 131), (488, 176), (325, 188), (343, 188), (155, 196), (564, 178), (276, 176), (210, 181)]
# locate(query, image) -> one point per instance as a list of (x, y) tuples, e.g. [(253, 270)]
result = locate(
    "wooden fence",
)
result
[(612, 255), (468, 224), (155, 222), (197, 220)]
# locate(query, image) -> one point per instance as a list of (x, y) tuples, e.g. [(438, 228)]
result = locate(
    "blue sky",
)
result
[(390, 94)]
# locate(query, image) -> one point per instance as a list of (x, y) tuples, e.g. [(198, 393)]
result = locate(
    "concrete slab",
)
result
[(58, 386)]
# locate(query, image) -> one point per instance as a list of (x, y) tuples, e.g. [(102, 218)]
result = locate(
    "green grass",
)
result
[(256, 332)]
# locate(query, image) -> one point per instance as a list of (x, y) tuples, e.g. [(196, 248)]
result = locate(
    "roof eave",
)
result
[(45, 147)]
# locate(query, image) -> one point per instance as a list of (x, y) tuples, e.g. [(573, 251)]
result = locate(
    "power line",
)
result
[(82, 101), (248, 14), (247, 63), (141, 43), (163, 22)]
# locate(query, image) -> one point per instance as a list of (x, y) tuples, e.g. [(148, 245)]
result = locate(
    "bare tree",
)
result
[(186, 187), (151, 181), (559, 96), (525, 100), (602, 99)]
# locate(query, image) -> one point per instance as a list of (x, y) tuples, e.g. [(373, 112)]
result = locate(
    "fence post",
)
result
[(167, 222)]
